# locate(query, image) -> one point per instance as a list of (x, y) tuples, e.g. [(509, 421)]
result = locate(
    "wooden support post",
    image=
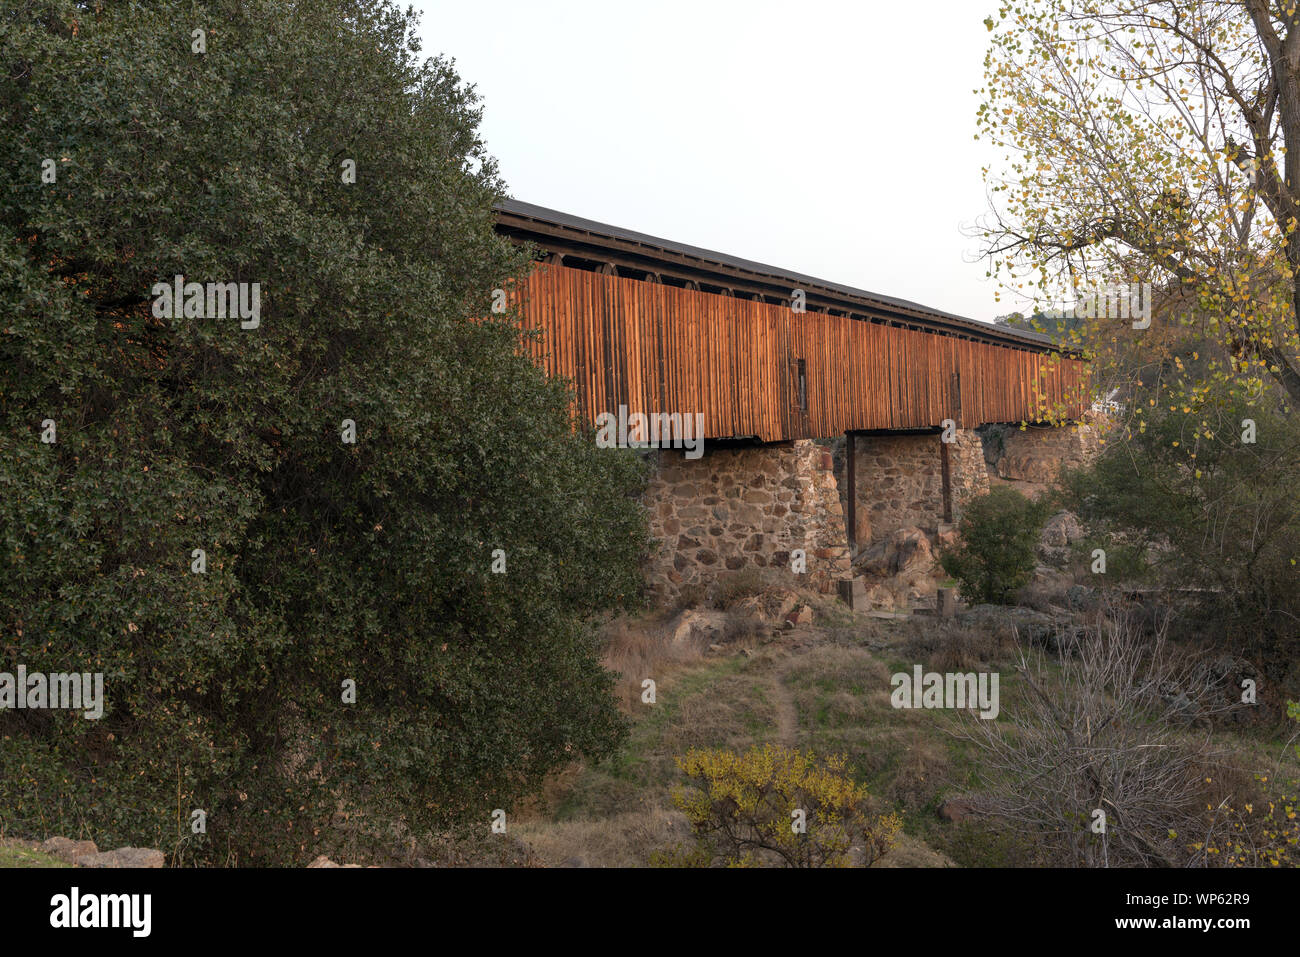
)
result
[(851, 476)]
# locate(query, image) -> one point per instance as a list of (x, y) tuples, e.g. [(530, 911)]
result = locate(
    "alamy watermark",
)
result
[(63, 690), (651, 430), (950, 690), (129, 911), (214, 300), (1109, 301)]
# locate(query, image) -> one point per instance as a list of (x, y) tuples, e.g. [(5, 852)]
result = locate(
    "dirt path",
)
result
[(787, 715), (909, 851)]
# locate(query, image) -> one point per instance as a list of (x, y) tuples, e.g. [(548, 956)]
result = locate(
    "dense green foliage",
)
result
[(326, 561), (996, 552), (1204, 498)]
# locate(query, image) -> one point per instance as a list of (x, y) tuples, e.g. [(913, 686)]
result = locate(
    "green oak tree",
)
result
[(310, 149)]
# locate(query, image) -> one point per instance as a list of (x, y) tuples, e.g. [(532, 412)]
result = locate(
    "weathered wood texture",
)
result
[(660, 348)]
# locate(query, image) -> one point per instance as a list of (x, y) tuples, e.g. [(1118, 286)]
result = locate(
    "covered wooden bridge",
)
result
[(660, 327)]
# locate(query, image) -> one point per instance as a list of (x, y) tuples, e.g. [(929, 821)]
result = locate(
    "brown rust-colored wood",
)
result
[(654, 347)]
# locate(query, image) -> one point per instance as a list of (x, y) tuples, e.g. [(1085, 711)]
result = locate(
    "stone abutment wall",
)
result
[(900, 480), (1037, 454), (745, 508), (751, 508)]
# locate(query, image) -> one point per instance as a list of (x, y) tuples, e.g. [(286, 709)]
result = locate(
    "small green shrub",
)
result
[(1202, 497), (995, 554)]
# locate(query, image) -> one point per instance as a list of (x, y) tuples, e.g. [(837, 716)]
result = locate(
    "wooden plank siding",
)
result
[(660, 348)]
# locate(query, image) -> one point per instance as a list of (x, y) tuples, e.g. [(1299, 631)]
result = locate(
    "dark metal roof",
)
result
[(552, 229)]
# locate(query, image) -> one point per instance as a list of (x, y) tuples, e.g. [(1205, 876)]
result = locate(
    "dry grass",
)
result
[(832, 696), (843, 698), (950, 646), (619, 813), (621, 840), (826, 688), (739, 610), (921, 771), (636, 649), (842, 684)]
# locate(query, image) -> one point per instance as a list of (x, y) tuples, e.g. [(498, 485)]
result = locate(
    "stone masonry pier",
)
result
[(745, 508), (741, 507)]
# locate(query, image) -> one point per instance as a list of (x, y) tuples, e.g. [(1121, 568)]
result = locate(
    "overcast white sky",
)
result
[(828, 138)]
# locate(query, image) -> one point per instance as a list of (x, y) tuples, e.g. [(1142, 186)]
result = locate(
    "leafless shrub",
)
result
[(1116, 731)]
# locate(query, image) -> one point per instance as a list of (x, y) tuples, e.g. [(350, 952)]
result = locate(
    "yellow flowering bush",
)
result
[(777, 805)]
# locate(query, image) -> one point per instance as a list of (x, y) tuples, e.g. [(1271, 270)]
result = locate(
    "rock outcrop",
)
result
[(1037, 454), (901, 570), (86, 854)]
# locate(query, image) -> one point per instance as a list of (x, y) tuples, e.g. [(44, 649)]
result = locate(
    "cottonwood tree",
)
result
[(1147, 143)]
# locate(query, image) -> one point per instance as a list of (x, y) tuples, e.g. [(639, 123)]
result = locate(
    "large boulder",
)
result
[(1060, 532), (694, 627), (802, 615), (900, 570), (67, 850), (1062, 529), (907, 549), (124, 857), (772, 606)]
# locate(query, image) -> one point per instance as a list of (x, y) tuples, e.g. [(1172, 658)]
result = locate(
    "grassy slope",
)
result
[(821, 688), (13, 854), (827, 688)]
